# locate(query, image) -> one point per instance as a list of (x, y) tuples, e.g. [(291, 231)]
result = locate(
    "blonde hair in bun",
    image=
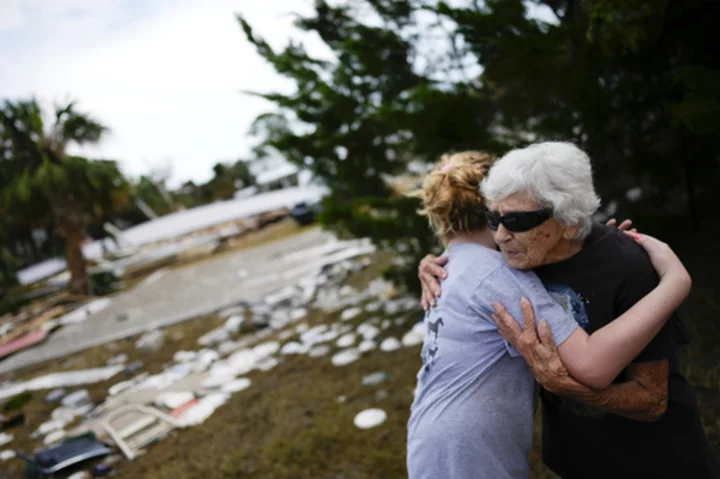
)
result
[(451, 193)]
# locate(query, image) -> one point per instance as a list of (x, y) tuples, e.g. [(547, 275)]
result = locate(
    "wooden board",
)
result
[(31, 325), (23, 342)]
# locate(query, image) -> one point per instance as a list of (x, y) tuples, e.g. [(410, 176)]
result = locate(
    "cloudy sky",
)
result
[(165, 75)]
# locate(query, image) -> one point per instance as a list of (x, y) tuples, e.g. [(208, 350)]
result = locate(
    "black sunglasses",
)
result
[(518, 222)]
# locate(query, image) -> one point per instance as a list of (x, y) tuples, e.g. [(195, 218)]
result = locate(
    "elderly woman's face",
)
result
[(532, 248)]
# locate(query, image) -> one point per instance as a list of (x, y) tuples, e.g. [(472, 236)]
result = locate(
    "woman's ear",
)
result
[(570, 232)]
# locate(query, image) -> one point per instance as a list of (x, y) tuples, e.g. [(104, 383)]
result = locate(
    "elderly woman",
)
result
[(646, 424)]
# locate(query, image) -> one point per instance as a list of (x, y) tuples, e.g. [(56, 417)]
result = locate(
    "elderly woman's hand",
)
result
[(539, 351), (430, 269)]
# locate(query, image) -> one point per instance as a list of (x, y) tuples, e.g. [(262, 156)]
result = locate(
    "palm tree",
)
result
[(44, 179)]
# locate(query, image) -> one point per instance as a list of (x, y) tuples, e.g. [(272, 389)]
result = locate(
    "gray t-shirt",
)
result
[(472, 416)]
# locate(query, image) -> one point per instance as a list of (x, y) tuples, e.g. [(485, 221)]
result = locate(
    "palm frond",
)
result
[(21, 126), (73, 126)]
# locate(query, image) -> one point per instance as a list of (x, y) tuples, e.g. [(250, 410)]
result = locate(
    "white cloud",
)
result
[(10, 15), (166, 76), (166, 79)]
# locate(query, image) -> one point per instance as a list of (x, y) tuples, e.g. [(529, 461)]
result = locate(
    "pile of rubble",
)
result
[(143, 408), (32, 324)]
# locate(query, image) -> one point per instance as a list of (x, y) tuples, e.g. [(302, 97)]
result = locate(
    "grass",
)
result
[(291, 424)]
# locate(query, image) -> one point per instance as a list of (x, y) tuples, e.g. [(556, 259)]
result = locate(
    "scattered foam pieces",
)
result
[(412, 338), (350, 313), (319, 350), (55, 436), (370, 418), (346, 340), (346, 356), (266, 349), (390, 344), (367, 345), (235, 385), (203, 409), (373, 307), (266, 364), (293, 347), (173, 399), (180, 410), (368, 331), (7, 455), (375, 378)]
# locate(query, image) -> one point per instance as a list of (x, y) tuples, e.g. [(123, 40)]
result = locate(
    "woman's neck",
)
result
[(482, 237), (564, 250)]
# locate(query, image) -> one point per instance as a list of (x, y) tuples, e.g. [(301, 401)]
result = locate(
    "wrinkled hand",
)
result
[(430, 269), (624, 226), (539, 351)]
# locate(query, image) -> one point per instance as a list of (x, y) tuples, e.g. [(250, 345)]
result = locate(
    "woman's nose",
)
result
[(502, 235)]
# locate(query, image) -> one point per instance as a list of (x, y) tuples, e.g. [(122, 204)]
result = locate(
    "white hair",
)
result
[(557, 175)]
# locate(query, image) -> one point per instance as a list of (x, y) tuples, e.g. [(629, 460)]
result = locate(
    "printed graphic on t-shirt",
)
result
[(570, 301), (434, 322), (573, 302)]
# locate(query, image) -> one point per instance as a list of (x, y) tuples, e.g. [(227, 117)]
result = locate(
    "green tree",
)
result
[(148, 191), (227, 179), (187, 195), (43, 177), (222, 186), (362, 117), (241, 174), (633, 83)]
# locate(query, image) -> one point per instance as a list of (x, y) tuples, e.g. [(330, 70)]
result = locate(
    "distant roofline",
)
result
[(275, 174)]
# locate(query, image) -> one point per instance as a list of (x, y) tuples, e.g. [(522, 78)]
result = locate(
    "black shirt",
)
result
[(607, 277)]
